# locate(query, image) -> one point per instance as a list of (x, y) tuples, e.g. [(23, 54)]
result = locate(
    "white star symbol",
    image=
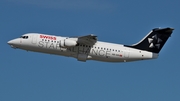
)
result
[(154, 40)]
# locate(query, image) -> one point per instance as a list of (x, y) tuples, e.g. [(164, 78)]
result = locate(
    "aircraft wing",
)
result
[(87, 40)]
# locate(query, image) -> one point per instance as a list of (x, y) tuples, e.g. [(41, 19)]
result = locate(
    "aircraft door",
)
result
[(126, 53), (34, 39), (20, 40)]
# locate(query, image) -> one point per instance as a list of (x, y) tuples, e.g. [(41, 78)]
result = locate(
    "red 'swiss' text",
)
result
[(47, 37)]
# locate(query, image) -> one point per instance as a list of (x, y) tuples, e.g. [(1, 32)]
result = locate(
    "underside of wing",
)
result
[(87, 40)]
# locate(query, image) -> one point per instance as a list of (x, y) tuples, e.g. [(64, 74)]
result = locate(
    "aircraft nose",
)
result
[(13, 43), (10, 42)]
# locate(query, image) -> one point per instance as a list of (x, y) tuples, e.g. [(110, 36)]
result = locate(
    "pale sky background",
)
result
[(30, 76)]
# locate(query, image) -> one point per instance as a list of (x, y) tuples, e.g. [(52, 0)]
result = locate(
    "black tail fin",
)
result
[(155, 40)]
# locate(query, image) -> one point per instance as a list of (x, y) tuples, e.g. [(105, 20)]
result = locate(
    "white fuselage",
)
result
[(101, 51)]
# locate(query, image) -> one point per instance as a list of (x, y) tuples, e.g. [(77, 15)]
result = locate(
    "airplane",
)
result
[(88, 47)]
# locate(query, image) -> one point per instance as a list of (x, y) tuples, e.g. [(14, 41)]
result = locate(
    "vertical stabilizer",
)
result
[(155, 40)]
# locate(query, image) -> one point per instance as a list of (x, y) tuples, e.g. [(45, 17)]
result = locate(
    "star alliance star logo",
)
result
[(154, 42)]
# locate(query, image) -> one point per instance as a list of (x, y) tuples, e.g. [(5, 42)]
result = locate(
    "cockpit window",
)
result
[(24, 37)]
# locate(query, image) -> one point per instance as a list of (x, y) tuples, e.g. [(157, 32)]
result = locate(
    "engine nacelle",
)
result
[(68, 43)]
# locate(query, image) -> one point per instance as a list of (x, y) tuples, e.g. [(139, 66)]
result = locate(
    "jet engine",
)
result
[(68, 43)]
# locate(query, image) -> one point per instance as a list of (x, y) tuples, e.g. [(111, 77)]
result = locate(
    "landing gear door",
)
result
[(34, 39)]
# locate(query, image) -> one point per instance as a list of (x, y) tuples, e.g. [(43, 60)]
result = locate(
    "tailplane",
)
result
[(155, 40)]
